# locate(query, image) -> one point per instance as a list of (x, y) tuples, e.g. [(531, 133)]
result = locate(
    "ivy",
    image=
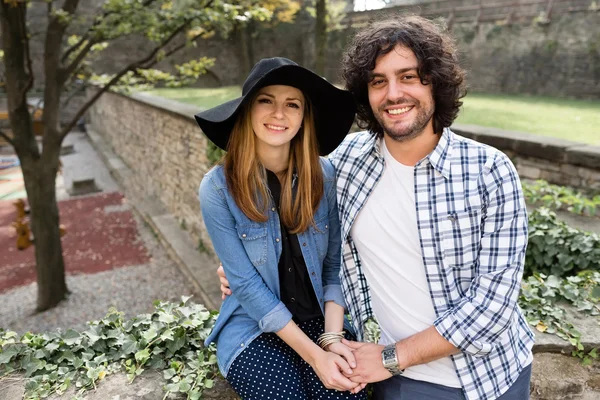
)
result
[(560, 198), (555, 248), (170, 339), (542, 300)]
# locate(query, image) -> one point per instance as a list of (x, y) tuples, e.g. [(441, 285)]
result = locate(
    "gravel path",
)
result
[(130, 289)]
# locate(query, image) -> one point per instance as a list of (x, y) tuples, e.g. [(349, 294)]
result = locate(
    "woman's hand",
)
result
[(328, 367), (342, 350)]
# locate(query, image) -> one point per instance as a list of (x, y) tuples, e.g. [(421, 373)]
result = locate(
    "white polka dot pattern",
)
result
[(269, 369)]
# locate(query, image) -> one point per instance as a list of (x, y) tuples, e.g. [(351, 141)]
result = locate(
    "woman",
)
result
[(270, 210)]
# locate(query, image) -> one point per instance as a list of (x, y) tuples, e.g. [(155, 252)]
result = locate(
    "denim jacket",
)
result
[(250, 254)]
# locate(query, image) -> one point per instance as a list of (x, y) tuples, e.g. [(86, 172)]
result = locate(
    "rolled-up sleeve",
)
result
[(475, 325), (246, 283)]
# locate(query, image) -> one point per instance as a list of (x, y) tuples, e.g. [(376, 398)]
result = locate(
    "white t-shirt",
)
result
[(387, 239)]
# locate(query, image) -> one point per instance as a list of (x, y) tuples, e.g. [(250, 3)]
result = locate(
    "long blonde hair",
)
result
[(246, 176)]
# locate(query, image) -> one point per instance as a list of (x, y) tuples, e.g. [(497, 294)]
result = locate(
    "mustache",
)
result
[(389, 103)]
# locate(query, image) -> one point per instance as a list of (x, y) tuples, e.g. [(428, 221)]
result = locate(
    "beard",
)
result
[(405, 130)]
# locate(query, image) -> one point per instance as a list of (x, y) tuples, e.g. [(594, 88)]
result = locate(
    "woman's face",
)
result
[(276, 115)]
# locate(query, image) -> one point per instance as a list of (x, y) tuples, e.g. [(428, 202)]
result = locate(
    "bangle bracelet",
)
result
[(328, 338)]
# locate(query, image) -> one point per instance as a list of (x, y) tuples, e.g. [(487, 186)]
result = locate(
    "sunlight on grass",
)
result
[(577, 120), (204, 98)]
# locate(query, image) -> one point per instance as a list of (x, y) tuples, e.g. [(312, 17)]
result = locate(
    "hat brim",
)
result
[(334, 108)]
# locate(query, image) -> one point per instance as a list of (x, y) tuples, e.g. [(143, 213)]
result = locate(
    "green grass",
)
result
[(204, 98), (577, 120)]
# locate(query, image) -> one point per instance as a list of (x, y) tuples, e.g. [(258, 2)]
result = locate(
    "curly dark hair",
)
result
[(436, 54)]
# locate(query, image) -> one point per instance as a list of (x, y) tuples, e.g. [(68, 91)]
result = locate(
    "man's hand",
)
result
[(369, 367), (225, 291)]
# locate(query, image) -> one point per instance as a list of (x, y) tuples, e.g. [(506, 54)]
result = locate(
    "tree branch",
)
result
[(75, 63), (7, 138), (86, 36), (151, 58)]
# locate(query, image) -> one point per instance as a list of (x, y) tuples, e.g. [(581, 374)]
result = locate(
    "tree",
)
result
[(328, 15), (247, 32), (71, 41)]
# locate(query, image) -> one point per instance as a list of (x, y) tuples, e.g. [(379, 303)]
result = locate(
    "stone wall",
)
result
[(537, 157), (160, 142)]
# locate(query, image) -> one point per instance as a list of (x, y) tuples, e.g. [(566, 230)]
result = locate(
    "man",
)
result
[(434, 228)]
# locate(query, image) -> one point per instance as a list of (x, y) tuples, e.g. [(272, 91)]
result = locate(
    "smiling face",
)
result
[(276, 114), (402, 105)]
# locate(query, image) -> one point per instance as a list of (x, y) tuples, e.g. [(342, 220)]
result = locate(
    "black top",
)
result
[(296, 290)]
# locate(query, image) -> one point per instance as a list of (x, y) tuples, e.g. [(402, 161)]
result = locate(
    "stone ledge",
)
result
[(587, 325), (525, 144), (147, 386)]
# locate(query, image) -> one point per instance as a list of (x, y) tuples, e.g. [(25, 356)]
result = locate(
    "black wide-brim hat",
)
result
[(333, 108)]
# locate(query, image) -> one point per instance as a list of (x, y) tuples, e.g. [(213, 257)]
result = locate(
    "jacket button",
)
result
[(243, 235), (242, 345), (292, 300), (277, 240), (304, 244), (289, 270), (326, 226), (313, 273), (273, 209)]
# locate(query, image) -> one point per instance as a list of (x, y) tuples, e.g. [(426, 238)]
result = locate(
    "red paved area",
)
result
[(96, 240)]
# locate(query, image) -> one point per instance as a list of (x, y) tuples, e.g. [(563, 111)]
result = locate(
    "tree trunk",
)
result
[(40, 183), (320, 36), (245, 40), (39, 170)]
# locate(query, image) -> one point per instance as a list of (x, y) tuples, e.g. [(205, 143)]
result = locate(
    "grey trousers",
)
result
[(401, 388)]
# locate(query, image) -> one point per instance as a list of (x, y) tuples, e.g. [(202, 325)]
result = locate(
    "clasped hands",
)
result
[(346, 365), (364, 361)]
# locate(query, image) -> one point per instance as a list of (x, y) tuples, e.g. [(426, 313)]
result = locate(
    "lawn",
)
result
[(205, 98), (577, 120)]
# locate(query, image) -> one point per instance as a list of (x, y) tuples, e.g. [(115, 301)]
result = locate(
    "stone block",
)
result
[(528, 172), (585, 156), (83, 186), (569, 169), (66, 150)]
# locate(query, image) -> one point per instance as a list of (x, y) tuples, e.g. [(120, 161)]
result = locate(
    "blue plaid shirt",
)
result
[(472, 224)]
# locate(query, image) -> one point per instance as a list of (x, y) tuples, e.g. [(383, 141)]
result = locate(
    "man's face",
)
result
[(402, 105)]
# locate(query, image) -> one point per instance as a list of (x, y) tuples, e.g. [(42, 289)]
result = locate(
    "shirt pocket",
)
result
[(461, 235), (320, 232), (254, 239)]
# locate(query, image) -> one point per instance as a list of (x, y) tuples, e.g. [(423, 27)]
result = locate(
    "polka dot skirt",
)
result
[(270, 369)]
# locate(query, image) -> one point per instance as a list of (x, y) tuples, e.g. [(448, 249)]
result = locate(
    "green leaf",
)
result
[(129, 346), (149, 334), (142, 356), (166, 318), (8, 352), (167, 335), (71, 337)]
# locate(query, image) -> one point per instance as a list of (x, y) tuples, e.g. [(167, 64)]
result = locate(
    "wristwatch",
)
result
[(390, 360)]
